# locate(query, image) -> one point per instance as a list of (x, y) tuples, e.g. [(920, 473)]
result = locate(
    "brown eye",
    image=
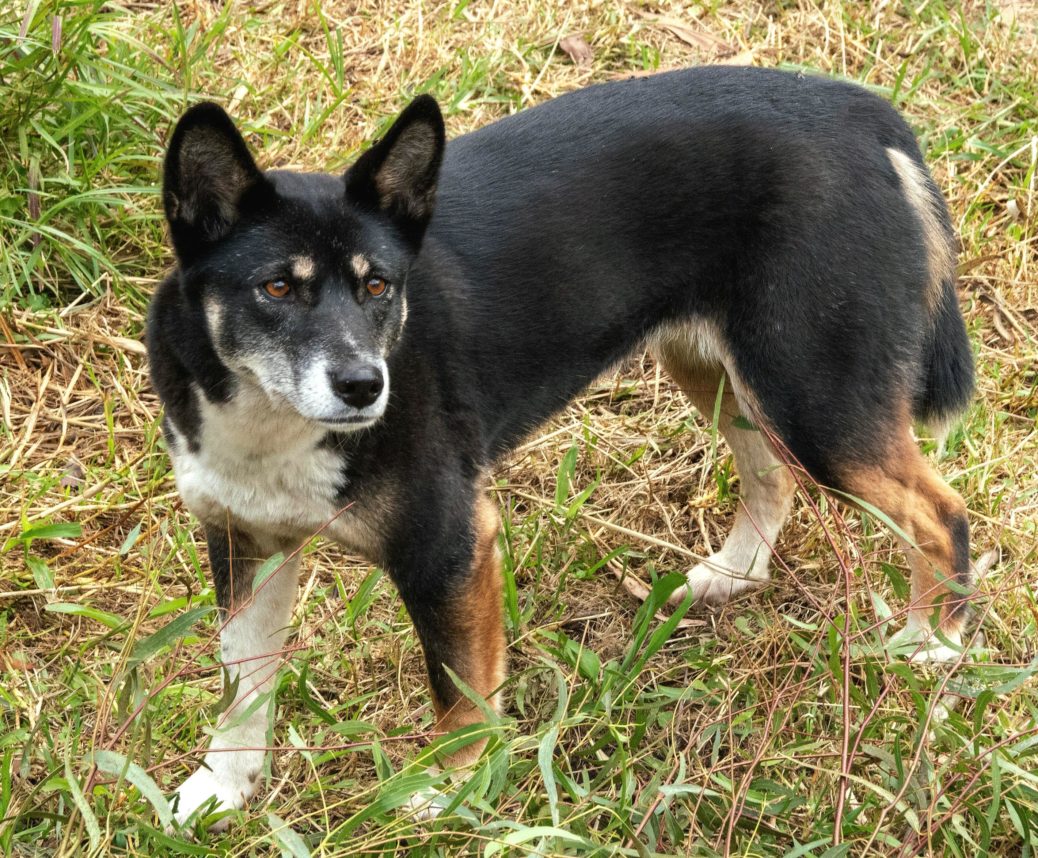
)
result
[(376, 286), (276, 288)]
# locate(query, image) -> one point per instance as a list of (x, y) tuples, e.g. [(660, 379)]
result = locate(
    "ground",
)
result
[(770, 727)]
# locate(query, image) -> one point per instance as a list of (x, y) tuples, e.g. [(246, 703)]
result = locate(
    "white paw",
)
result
[(427, 803), (920, 646), (717, 579), (938, 654), (202, 787)]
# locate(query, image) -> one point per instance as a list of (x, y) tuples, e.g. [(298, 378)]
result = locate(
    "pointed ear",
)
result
[(207, 174), (398, 174)]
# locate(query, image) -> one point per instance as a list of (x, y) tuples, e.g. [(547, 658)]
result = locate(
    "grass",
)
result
[(767, 728)]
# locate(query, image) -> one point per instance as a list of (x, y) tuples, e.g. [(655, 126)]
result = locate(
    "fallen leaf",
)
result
[(690, 36), (641, 592), (577, 50), (743, 58), (1012, 11), (983, 564), (239, 93), (122, 343), (18, 661), (72, 477)]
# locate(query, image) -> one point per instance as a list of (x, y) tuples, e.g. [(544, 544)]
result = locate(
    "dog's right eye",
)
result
[(276, 288)]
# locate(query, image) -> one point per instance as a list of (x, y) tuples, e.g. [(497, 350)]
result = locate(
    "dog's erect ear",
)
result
[(398, 174), (207, 174)]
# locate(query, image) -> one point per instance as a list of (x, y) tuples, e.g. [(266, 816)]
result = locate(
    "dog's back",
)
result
[(772, 206)]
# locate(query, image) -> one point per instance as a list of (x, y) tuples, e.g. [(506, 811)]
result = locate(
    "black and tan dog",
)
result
[(355, 352)]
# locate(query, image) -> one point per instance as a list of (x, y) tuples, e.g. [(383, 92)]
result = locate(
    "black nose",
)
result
[(357, 384)]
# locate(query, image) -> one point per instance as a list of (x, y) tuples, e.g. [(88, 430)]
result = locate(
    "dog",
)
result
[(351, 354)]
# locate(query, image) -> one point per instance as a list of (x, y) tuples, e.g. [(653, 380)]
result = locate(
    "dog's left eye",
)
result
[(376, 286), (276, 288)]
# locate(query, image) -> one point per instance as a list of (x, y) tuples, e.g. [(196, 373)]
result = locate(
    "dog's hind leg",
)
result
[(255, 624), (766, 486), (931, 522)]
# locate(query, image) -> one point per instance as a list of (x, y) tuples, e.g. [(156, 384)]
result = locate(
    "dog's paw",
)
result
[(427, 803), (921, 646), (205, 790), (934, 653), (715, 581)]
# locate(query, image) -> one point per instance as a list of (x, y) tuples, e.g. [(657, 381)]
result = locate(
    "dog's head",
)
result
[(299, 279)]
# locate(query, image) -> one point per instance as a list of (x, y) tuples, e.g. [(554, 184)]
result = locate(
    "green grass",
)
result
[(768, 728)]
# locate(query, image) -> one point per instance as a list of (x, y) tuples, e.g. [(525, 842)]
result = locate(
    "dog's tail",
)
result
[(946, 383)]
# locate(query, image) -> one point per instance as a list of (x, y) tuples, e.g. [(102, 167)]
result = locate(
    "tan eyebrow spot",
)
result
[(302, 267), (361, 266)]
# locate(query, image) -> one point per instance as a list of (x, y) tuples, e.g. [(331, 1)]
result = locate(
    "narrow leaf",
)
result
[(61, 530), (567, 469), (168, 635), (103, 617), (41, 573), (116, 764), (130, 541), (287, 838), (268, 568), (545, 753), (89, 820)]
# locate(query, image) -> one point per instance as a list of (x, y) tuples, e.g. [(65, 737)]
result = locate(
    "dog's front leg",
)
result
[(254, 627), (452, 588)]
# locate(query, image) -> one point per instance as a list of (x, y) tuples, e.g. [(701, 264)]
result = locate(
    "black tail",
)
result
[(946, 385)]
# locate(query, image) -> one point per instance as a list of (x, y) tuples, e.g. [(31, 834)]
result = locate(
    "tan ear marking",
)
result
[(210, 169), (398, 171)]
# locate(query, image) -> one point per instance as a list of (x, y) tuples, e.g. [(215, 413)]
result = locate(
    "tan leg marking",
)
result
[(478, 627), (933, 517)]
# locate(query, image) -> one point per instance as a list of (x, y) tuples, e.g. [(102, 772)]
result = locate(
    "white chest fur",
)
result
[(262, 466)]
